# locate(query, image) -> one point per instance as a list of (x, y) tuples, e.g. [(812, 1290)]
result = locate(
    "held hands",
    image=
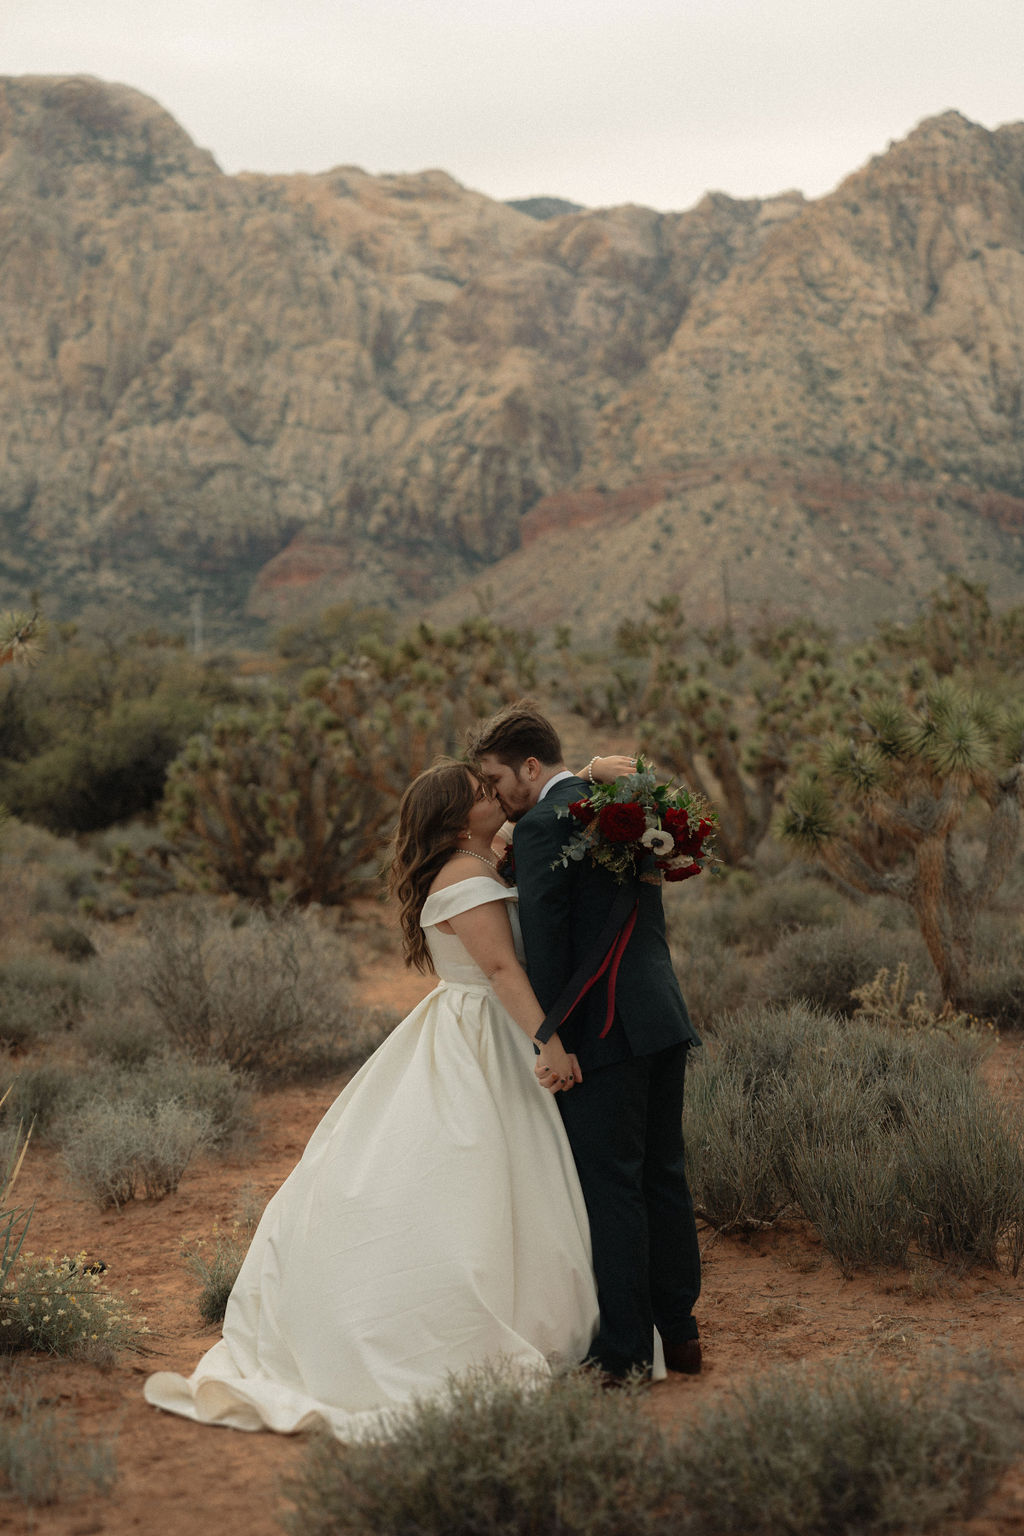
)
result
[(555, 1068)]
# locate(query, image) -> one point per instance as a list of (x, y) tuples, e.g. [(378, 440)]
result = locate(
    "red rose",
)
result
[(622, 823), (676, 821), (691, 843), (682, 873), (582, 810)]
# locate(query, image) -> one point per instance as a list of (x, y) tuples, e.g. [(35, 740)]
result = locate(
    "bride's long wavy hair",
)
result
[(432, 813)]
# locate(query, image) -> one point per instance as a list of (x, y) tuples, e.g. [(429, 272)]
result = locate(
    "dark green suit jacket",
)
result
[(561, 912)]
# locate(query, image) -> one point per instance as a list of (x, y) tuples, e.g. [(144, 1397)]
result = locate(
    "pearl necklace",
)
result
[(489, 862)]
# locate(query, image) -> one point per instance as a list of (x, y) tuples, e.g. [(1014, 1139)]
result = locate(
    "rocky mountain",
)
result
[(284, 391)]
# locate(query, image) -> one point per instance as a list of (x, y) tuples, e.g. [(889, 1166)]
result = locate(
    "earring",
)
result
[(465, 832)]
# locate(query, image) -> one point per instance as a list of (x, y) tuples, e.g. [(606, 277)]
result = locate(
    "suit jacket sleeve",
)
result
[(545, 894)]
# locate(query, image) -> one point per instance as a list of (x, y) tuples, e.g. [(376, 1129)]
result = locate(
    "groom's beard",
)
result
[(514, 816)]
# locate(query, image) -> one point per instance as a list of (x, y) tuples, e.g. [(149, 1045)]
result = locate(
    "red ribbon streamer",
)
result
[(612, 959)]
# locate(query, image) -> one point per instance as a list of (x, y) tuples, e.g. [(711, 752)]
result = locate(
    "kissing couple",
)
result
[(503, 1180)]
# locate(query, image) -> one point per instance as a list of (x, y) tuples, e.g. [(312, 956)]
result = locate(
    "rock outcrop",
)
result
[(286, 390)]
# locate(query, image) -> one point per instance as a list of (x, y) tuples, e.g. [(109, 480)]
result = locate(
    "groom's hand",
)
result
[(556, 1069)]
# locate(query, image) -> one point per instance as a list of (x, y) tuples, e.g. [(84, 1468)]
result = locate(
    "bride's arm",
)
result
[(486, 933), (602, 770)]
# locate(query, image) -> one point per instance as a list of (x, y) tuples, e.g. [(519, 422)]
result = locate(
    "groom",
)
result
[(624, 1121)]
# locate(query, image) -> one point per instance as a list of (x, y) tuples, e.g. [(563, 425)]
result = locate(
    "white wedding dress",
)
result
[(435, 1222)]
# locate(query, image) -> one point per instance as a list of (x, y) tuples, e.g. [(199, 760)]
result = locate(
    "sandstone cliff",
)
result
[(287, 390)]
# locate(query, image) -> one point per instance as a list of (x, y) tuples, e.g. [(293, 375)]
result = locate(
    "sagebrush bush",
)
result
[(852, 1189), (270, 996), (754, 915), (212, 1088), (882, 1138), (964, 1175), (823, 965), (113, 1150), (63, 1307), (44, 1457), (734, 1149), (713, 980), (124, 1035), (48, 873), (849, 1449), (69, 940), (844, 1449), (491, 1458), (43, 1093), (40, 995), (997, 990)]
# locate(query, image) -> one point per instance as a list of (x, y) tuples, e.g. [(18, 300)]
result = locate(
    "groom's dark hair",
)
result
[(515, 733)]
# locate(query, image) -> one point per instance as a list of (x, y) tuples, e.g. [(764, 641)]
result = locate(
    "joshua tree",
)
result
[(296, 799), (885, 803), (958, 631), (20, 637), (728, 716)]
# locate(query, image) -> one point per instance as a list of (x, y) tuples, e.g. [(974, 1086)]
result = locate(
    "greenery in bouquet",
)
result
[(637, 826)]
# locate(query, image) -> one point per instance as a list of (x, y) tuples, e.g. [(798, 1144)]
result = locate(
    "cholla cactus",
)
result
[(730, 717), (297, 800), (884, 803)]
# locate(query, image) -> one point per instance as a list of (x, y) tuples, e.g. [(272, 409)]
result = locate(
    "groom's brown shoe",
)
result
[(684, 1357)]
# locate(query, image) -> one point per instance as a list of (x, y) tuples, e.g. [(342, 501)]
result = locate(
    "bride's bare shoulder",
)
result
[(458, 868)]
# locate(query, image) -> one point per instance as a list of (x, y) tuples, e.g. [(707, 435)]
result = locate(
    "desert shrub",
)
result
[(114, 1149), (52, 874), (49, 1094), (753, 915), (45, 1093), (853, 1191), (964, 1175), (88, 734), (823, 965), (848, 1449), (713, 978), (211, 1088), (215, 1261), (121, 1033), (733, 1141), (997, 991), (492, 1457), (63, 1307), (882, 1138), (269, 997), (68, 940), (39, 994), (44, 1457)]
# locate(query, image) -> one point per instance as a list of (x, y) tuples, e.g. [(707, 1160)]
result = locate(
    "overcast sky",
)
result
[(599, 101)]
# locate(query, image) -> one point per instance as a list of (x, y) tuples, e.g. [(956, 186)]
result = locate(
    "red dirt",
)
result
[(773, 1298)]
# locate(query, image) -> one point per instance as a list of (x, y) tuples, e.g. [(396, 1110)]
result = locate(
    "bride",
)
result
[(435, 1220)]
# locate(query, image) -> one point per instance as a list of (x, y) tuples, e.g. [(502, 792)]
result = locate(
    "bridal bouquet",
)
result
[(618, 825)]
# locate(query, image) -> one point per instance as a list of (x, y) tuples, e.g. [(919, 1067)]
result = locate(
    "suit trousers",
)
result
[(624, 1123)]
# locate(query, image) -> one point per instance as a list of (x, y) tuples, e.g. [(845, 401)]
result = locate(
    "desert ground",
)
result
[(769, 1298)]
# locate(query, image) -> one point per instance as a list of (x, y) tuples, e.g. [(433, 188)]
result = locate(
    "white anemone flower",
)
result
[(658, 841)]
